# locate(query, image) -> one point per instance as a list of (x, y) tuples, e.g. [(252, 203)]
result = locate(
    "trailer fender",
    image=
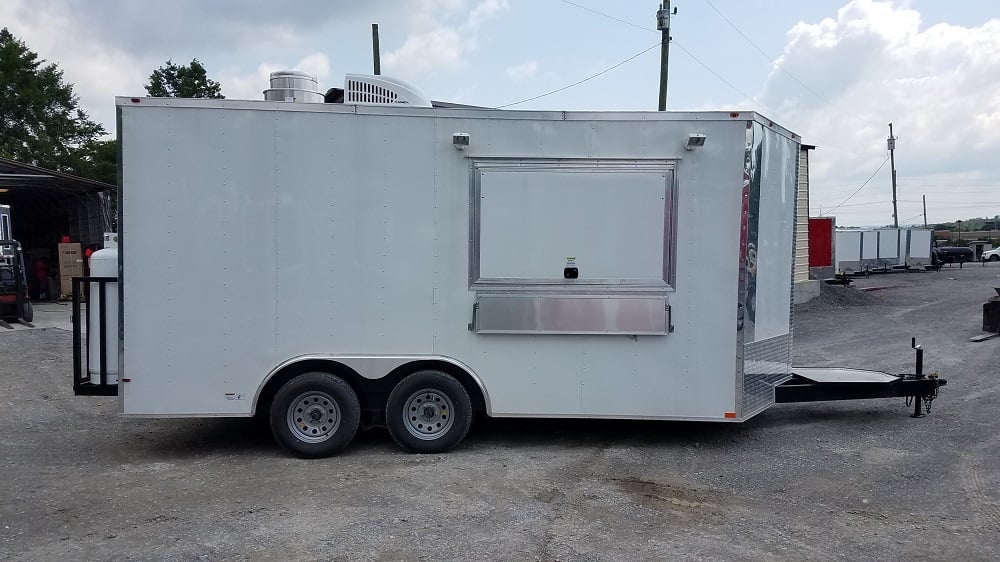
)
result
[(360, 369)]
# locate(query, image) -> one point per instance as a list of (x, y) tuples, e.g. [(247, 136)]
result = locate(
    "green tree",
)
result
[(41, 122), (98, 160), (185, 81)]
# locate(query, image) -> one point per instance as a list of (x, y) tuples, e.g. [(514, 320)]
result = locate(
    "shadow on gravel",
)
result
[(180, 439), (833, 413), (583, 432), (547, 432)]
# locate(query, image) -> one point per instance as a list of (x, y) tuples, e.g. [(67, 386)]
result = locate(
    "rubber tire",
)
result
[(994, 258), (29, 312), (434, 380), (340, 391)]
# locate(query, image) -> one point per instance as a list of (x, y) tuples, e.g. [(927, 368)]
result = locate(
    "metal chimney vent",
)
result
[(366, 89), (293, 85)]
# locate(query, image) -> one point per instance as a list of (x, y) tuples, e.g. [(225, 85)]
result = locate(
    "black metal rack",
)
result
[(83, 383)]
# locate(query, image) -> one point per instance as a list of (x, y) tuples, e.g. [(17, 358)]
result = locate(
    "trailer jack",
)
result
[(925, 399)]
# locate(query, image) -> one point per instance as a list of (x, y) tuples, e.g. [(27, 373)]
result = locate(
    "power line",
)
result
[(856, 204), (609, 16), (717, 75), (751, 99), (672, 40), (950, 185), (761, 51), (860, 188), (964, 204), (591, 77)]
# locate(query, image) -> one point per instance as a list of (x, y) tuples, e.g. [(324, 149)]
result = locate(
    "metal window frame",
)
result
[(479, 165)]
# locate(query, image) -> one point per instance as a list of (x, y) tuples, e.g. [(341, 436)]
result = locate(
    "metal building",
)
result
[(46, 205)]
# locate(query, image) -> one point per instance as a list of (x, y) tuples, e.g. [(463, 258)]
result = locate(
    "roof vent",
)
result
[(293, 85), (365, 89)]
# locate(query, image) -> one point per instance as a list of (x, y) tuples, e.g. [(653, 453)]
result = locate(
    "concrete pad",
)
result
[(56, 314), (806, 291)]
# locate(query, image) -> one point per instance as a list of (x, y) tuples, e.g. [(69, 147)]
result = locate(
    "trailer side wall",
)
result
[(253, 235)]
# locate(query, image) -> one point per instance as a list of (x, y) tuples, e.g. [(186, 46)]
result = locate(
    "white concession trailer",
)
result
[(337, 264)]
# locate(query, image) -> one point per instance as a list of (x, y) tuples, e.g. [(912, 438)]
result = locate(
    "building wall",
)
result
[(802, 220)]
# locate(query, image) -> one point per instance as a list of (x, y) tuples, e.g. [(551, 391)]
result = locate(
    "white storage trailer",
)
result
[(335, 264), (881, 249)]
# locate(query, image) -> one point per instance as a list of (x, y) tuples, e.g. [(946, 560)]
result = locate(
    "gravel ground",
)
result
[(848, 480)]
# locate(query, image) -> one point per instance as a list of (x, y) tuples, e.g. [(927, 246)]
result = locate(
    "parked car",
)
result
[(952, 254), (991, 255)]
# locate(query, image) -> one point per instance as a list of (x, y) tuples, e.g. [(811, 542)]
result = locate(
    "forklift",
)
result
[(15, 306)]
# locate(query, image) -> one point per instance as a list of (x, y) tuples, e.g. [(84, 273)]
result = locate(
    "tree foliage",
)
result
[(98, 160), (968, 225), (185, 81), (41, 122)]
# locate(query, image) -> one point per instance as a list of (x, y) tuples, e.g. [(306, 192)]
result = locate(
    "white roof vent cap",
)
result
[(367, 89)]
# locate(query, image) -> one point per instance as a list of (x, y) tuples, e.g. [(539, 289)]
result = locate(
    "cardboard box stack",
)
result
[(70, 266)]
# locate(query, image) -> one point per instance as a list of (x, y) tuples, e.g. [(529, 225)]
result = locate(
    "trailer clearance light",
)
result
[(730, 415)]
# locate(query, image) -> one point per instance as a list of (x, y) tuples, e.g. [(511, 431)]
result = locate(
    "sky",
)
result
[(837, 72)]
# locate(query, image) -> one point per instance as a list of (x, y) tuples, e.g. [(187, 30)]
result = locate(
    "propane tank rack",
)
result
[(85, 367)]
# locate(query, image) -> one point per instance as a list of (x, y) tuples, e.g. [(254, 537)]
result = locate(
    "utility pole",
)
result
[(925, 211), (892, 156), (375, 53), (663, 24)]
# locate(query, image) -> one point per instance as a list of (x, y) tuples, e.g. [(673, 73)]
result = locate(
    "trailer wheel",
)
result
[(428, 412), (994, 257), (315, 415)]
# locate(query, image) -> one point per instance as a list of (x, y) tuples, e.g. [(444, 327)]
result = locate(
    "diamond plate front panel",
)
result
[(766, 364)]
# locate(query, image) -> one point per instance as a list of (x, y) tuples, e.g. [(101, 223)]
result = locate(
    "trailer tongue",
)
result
[(817, 384)]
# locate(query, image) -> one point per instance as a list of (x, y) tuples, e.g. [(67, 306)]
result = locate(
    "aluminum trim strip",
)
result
[(455, 112), (742, 267), (720, 419), (571, 314)]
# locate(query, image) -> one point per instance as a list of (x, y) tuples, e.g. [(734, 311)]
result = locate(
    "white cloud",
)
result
[(109, 47), (485, 11), (437, 49), (97, 71), (250, 86), (441, 40), (154, 28), (317, 64), (523, 71), (875, 64)]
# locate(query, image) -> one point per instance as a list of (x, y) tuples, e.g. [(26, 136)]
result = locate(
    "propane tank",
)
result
[(103, 263)]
